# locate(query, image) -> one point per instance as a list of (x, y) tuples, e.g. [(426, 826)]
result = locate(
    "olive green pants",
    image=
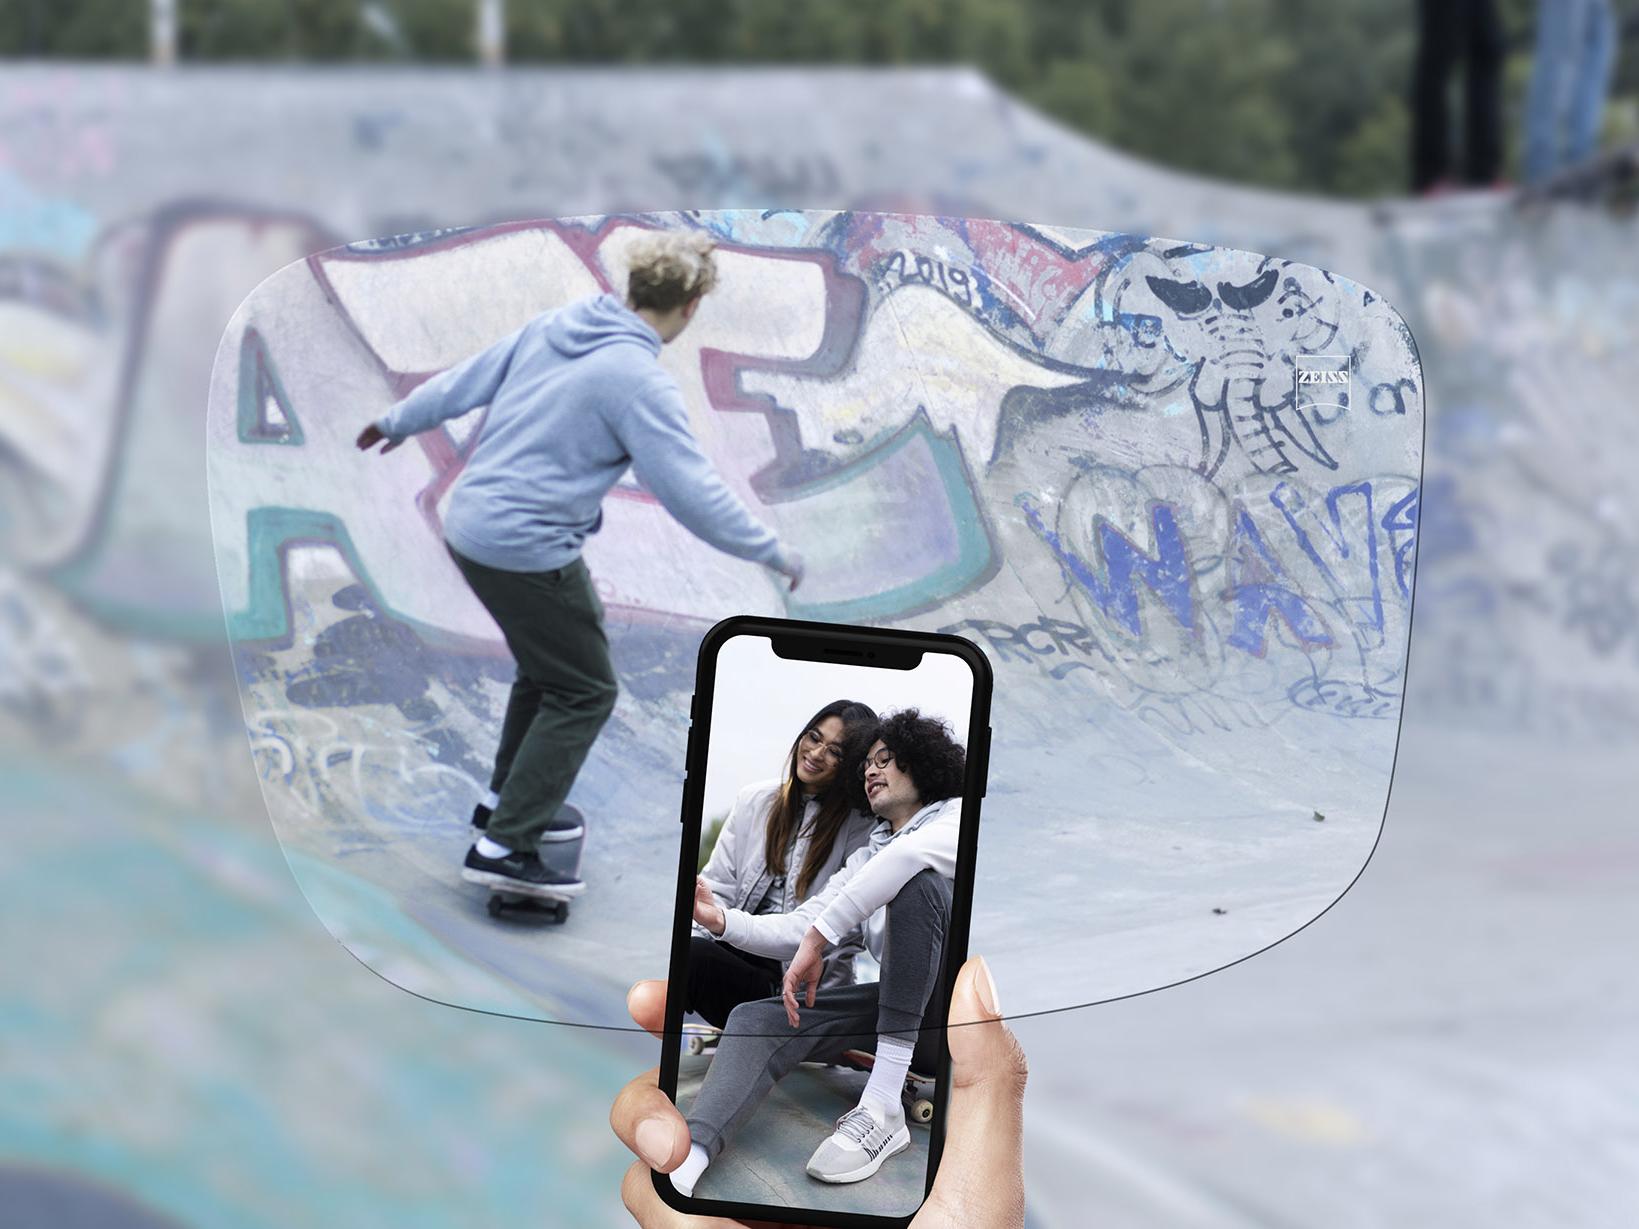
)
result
[(564, 691)]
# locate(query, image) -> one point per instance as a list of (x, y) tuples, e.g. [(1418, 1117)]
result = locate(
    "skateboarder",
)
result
[(575, 397), (781, 843), (899, 888)]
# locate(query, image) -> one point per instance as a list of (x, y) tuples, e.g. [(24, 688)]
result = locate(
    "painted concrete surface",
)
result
[(1451, 1043), (185, 1044), (1452, 1039)]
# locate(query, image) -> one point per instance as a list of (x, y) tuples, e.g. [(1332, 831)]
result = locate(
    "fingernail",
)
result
[(654, 1141), (985, 987)]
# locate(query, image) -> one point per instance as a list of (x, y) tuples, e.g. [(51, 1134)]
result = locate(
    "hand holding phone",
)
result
[(981, 1177)]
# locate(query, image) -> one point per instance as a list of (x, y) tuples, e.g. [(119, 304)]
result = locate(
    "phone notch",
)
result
[(843, 651)]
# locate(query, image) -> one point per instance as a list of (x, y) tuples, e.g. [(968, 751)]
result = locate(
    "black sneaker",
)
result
[(566, 825), (519, 872)]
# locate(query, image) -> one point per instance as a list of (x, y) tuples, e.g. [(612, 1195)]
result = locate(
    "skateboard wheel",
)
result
[(922, 1110), (560, 912), (496, 908), (697, 1044)]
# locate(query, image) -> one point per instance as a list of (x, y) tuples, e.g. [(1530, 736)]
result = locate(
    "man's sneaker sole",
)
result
[(897, 1143), (523, 887)]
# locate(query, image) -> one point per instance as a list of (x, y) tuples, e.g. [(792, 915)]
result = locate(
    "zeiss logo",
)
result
[(1323, 384)]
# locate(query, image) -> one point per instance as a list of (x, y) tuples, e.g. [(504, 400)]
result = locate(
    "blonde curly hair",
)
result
[(666, 269)]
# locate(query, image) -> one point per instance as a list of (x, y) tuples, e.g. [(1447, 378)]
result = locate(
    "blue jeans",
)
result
[(1576, 40)]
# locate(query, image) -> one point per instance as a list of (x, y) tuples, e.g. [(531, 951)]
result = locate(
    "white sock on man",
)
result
[(492, 849), (688, 1173), (887, 1082), (492, 800)]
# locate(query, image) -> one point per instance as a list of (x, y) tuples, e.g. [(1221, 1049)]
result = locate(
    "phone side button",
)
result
[(984, 776), (688, 758)]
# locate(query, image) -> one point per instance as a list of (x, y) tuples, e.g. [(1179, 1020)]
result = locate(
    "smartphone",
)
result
[(830, 822)]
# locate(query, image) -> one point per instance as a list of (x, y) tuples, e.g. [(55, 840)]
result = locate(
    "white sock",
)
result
[(887, 1082), (688, 1173), (491, 800), (491, 849)]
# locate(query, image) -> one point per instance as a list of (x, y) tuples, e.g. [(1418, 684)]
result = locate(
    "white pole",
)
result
[(162, 32), (492, 33)]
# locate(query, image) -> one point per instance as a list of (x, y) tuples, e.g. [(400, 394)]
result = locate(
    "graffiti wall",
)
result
[(1171, 489)]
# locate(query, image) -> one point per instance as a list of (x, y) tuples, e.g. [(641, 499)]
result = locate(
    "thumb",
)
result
[(984, 1123)]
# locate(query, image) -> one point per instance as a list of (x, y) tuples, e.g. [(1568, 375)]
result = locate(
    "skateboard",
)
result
[(917, 1093), (700, 1038), (548, 904)]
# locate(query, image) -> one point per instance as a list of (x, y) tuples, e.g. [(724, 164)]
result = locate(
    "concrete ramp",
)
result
[(1468, 980)]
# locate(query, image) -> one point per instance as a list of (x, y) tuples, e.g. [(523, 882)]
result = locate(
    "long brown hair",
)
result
[(835, 799)]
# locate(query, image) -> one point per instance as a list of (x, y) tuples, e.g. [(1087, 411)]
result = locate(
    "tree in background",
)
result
[(74, 29)]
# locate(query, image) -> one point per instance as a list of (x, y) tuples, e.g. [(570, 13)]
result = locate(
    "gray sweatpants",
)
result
[(759, 1047)]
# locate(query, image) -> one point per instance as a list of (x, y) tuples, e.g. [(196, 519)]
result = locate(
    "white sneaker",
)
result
[(859, 1145)]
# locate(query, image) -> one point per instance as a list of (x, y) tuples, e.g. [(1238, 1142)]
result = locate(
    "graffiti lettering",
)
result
[(1030, 642), (912, 268), (1344, 698)]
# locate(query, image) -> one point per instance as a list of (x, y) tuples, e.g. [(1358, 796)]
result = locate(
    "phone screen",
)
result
[(830, 823)]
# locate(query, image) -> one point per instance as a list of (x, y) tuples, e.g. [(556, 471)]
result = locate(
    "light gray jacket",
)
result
[(738, 875)]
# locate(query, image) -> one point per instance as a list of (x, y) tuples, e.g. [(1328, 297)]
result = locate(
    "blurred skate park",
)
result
[(184, 1041)]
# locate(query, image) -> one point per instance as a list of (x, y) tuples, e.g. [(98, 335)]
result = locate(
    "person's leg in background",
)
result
[(1483, 48), (1430, 116), (1552, 66), (1591, 81)]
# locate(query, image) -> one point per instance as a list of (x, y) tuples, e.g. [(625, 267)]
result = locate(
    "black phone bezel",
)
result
[(821, 642)]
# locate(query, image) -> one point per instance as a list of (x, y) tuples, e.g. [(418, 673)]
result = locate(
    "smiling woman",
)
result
[(781, 843)]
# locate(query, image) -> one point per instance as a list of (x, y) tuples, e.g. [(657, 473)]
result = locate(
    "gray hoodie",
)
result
[(575, 396)]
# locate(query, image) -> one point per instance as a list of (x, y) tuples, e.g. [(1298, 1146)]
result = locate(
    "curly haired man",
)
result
[(575, 397), (898, 887)]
